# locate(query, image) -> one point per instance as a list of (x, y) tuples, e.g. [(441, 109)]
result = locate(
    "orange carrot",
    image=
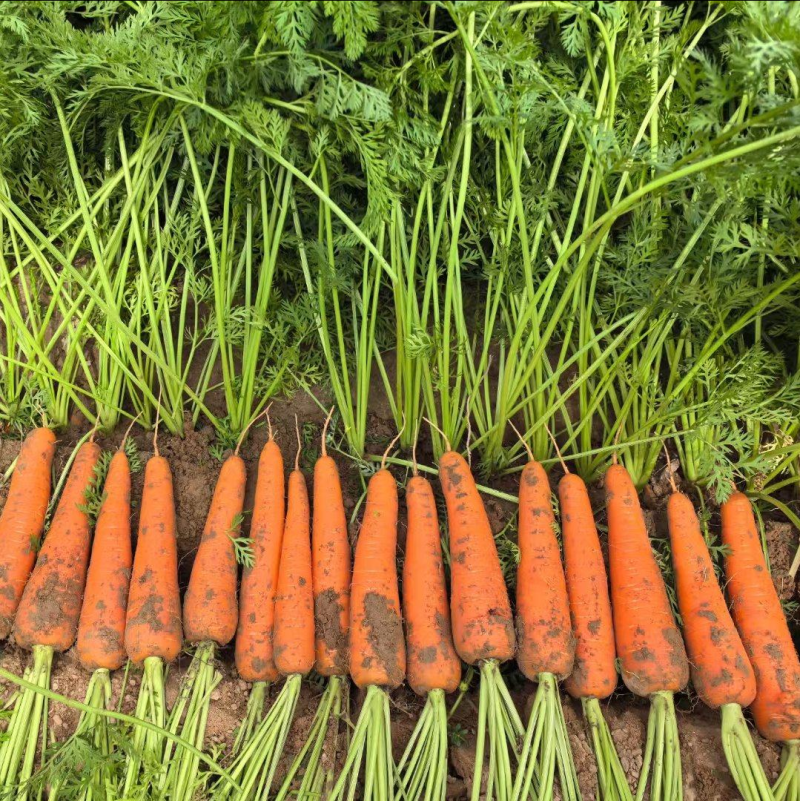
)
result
[(294, 601), (22, 521), (377, 649), (761, 623), (331, 552), (254, 647), (210, 612), (544, 632), (649, 646), (594, 674), (153, 620), (721, 671), (432, 660), (101, 629), (51, 602), (483, 627)]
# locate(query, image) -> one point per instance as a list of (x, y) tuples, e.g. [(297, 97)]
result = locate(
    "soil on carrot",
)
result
[(195, 470)]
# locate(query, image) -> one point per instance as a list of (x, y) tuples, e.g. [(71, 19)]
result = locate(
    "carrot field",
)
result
[(399, 400)]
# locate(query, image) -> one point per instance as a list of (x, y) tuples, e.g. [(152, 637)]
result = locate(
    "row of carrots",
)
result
[(301, 607)]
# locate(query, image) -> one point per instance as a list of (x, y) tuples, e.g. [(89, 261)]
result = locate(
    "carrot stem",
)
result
[(195, 696), (373, 735), (61, 772), (787, 787), (28, 719), (500, 724), (27, 685), (148, 743), (546, 747), (662, 756), (743, 760), (423, 768), (254, 715), (255, 766), (310, 757), (611, 780)]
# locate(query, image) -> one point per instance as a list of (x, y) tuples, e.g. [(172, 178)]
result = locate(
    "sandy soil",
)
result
[(705, 773)]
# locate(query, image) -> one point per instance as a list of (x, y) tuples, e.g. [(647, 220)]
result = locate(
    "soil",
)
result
[(706, 775)]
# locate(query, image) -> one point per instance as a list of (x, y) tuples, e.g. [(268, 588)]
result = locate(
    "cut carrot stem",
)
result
[(762, 626), (545, 643), (22, 520), (650, 648), (153, 632), (47, 621), (483, 626), (594, 674)]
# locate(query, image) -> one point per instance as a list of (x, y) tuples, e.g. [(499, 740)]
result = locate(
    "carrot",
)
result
[(153, 621), (153, 631), (377, 650), (210, 616), (761, 623), (47, 619), (210, 612), (483, 626), (545, 644), (51, 602), (22, 521), (721, 672), (101, 628), (254, 647), (594, 675), (649, 646), (331, 566), (544, 632), (294, 601), (433, 663)]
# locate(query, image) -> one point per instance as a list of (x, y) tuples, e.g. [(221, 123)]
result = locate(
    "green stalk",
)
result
[(315, 776), (423, 768), (47, 694), (743, 761), (499, 724), (546, 749), (146, 765), (370, 744), (253, 716), (255, 765), (662, 754), (611, 780), (787, 787), (62, 773), (27, 730), (195, 696)]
